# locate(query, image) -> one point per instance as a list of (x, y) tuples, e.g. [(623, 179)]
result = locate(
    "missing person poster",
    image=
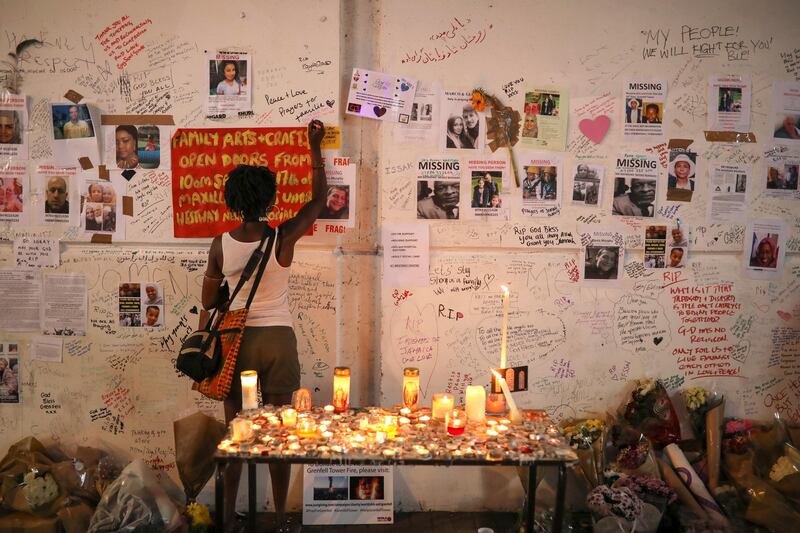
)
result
[(461, 126), (545, 118), (665, 246), (729, 103), (59, 185), (782, 175), (74, 134), (9, 372), (635, 186), (137, 141), (348, 494), (727, 192), (439, 188), (13, 122), (587, 184), (13, 185), (141, 305), (541, 188), (764, 249), (228, 91), (487, 193), (340, 199), (421, 128), (644, 109), (603, 258), (786, 111)]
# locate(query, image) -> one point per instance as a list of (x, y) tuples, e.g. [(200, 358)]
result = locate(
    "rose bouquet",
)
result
[(632, 452), (650, 409)]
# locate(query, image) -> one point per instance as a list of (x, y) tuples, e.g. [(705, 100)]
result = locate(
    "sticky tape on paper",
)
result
[(73, 96), (679, 143), (102, 173), (127, 205), (137, 120), (85, 163), (101, 238), (730, 137)]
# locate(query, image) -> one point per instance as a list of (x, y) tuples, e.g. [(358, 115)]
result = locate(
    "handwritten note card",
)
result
[(36, 252)]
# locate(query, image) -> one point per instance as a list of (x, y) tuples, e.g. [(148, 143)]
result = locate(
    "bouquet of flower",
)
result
[(199, 518), (706, 411), (631, 452), (39, 490), (647, 488), (650, 410), (587, 437), (620, 506), (785, 473)]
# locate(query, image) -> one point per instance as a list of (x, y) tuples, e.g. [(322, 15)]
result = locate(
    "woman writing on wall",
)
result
[(268, 344)]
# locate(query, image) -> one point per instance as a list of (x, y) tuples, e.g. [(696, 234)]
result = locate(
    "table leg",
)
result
[(531, 512), (251, 496), (560, 494), (219, 496)]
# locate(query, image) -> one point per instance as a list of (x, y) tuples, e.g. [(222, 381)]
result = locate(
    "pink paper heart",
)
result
[(784, 315), (595, 129)]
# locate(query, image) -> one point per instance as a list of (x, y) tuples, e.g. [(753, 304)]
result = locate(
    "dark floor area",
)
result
[(438, 522)]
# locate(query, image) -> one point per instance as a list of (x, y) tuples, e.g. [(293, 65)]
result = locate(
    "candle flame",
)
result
[(504, 289)]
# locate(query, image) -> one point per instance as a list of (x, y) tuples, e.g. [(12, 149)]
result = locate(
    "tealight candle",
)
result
[(475, 403), (224, 445), (249, 390), (491, 432), (491, 423), (403, 420), (388, 452), (380, 437), (306, 427), (411, 388), (442, 403), (455, 422), (405, 411), (327, 434), (341, 388), (424, 418), (502, 427), (329, 409), (289, 417)]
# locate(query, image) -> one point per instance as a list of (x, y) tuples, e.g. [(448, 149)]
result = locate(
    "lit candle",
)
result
[(306, 427), (388, 452), (380, 437), (341, 388), (289, 417), (442, 403), (475, 403), (242, 429), (302, 400), (506, 295), (329, 409), (411, 388), (455, 422), (249, 390), (495, 403), (516, 416)]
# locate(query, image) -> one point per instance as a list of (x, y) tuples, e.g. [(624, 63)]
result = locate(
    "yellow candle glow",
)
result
[(442, 403), (306, 427), (289, 417), (405, 411), (475, 403), (411, 388), (341, 388), (516, 416), (495, 403), (242, 429), (506, 295), (249, 390), (329, 409)]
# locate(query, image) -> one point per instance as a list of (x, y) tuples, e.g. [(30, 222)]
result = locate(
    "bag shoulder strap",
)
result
[(264, 261)]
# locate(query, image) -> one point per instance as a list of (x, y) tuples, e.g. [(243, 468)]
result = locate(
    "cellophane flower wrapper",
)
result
[(630, 452), (586, 438), (605, 501), (650, 410), (714, 417), (653, 492), (770, 509), (785, 473), (685, 496)]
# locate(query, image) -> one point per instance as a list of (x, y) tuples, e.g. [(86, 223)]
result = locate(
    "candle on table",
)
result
[(329, 409), (249, 390), (455, 422), (289, 417), (495, 403), (302, 400), (341, 388), (242, 429), (306, 427), (475, 403), (516, 416), (411, 388), (504, 337), (442, 403)]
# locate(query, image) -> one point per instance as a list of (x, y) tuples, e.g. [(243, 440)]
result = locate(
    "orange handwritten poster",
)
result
[(202, 158)]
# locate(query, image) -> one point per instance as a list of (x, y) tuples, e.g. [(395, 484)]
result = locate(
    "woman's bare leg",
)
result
[(232, 470), (279, 473)]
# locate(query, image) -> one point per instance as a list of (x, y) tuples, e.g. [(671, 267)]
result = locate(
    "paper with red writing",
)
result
[(202, 158)]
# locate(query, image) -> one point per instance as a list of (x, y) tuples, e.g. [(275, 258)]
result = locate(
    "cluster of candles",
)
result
[(399, 433)]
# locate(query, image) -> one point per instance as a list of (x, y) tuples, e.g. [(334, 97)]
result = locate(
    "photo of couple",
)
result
[(463, 129)]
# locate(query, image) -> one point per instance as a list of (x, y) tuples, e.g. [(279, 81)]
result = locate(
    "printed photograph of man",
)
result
[(638, 202), (337, 203), (543, 185), (652, 113), (633, 111), (472, 124), (366, 487), (788, 127), (439, 203), (72, 121), (601, 262), (56, 195), (10, 129), (152, 316)]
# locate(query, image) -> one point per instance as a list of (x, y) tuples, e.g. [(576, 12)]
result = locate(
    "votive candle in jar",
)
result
[(302, 400), (411, 388), (455, 422), (341, 388), (495, 403), (242, 429), (475, 403), (249, 390), (289, 417), (306, 427), (442, 403)]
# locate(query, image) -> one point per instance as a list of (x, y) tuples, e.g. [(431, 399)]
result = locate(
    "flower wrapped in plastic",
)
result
[(199, 518), (655, 494), (39, 490), (614, 509), (631, 452), (650, 410), (587, 437), (785, 473), (706, 410)]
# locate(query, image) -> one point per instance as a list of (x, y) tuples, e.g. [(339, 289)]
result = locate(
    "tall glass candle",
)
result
[(411, 388), (341, 388), (475, 403), (442, 403), (249, 390), (504, 337), (302, 400)]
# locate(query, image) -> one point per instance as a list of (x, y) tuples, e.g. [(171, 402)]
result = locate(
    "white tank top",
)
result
[(270, 305)]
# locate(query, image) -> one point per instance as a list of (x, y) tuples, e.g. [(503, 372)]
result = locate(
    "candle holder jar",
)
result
[(455, 421), (249, 390), (411, 388), (341, 388), (442, 403), (289, 417), (496, 403)]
